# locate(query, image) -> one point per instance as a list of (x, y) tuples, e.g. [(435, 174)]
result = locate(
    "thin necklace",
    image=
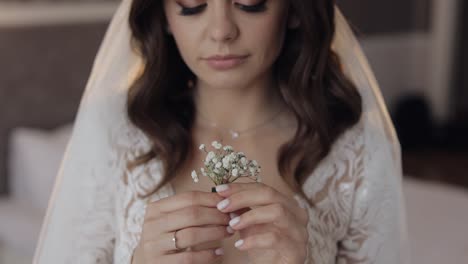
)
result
[(237, 133)]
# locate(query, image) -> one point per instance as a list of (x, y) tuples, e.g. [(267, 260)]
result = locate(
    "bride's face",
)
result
[(250, 30)]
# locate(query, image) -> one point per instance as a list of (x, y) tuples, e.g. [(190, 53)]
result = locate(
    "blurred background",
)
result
[(417, 49)]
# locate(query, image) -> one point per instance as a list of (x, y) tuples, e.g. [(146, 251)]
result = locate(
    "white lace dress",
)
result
[(358, 218)]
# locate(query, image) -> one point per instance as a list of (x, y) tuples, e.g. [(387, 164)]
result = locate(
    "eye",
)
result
[(188, 11), (260, 7)]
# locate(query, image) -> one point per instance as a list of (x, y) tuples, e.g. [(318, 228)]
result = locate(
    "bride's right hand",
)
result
[(195, 218)]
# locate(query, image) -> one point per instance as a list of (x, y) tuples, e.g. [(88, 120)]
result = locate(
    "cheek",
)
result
[(183, 43), (267, 40)]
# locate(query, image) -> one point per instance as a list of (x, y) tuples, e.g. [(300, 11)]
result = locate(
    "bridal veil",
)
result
[(88, 156)]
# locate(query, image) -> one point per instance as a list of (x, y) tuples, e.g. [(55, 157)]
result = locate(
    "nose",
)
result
[(223, 27)]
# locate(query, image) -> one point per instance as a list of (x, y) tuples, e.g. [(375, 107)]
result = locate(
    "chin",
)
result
[(226, 80)]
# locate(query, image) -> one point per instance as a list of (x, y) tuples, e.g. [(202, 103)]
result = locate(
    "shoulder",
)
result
[(366, 152), (128, 141)]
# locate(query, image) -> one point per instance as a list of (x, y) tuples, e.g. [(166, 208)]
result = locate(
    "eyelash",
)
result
[(257, 8)]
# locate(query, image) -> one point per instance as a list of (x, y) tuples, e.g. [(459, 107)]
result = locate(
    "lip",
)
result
[(225, 62)]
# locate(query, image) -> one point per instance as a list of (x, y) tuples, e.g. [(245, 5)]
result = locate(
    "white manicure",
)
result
[(232, 215), (234, 221), (222, 188), (221, 205), (239, 243), (219, 251)]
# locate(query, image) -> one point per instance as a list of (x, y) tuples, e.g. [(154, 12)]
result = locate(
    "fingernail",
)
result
[(222, 188), (221, 205), (234, 221), (232, 215), (239, 243), (230, 230), (219, 251)]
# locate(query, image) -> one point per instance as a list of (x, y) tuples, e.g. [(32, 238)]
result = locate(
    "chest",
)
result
[(265, 152)]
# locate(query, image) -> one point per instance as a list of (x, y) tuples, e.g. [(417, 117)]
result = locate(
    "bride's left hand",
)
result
[(272, 226)]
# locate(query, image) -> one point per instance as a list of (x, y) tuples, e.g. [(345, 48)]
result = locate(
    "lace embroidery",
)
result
[(134, 187), (339, 223)]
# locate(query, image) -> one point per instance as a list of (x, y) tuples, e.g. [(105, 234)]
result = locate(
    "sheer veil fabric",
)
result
[(80, 225)]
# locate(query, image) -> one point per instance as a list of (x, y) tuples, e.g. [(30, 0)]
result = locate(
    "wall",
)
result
[(410, 46), (46, 55)]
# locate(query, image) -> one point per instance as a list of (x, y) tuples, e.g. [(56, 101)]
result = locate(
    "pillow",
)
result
[(34, 159)]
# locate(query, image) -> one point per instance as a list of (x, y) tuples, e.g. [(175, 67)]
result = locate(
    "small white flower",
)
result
[(233, 156), (243, 160), (210, 156), (226, 162), (228, 148), (216, 145), (194, 176), (223, 162), (236, 165)]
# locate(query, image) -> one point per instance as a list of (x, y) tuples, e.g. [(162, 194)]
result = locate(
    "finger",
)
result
[(186, 217), (259, 195), (273, 214), (269, 240), (257, 229), (183, 200), (202, 256), (269, 214), (188, 237), (231, 188), (238, 212)]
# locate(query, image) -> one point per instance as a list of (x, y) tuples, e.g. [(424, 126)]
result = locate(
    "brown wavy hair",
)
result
[(324, 101)]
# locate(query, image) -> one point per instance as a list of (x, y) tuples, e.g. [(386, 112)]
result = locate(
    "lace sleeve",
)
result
[(377, 227)]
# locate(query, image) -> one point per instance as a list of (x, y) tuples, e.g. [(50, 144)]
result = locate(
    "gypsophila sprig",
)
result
[(224, 165)]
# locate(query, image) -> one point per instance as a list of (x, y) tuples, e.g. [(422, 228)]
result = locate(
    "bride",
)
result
[(284, 81)]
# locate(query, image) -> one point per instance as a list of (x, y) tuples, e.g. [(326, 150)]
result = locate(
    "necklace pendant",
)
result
[(234, 134)]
